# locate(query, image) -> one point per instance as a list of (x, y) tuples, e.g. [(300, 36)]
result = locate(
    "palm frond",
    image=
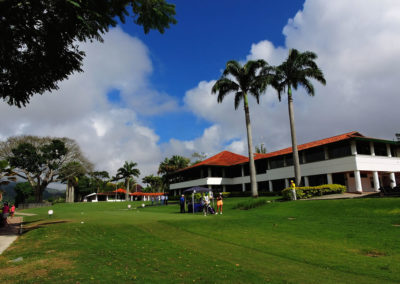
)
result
[(223, 87), (232, 68), (307, 86), (238, 99)]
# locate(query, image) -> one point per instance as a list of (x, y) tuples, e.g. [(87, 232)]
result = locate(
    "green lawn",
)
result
[(335, 241)]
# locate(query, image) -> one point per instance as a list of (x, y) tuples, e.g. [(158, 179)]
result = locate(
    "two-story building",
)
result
[(363, 164)]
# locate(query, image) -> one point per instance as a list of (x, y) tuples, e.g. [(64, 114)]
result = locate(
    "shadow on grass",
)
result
[(42, 225)]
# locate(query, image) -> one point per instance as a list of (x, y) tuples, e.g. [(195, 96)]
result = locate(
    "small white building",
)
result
[(363, 164)]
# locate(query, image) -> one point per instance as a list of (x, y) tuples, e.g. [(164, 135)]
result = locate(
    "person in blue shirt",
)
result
[(182, 203)]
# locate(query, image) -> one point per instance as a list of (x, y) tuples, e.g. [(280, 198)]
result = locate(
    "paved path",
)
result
[(9, 233)]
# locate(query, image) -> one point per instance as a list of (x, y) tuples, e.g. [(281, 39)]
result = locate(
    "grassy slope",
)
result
[(290, 242)]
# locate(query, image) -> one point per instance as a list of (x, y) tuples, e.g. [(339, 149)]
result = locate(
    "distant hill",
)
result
[(10, 194)]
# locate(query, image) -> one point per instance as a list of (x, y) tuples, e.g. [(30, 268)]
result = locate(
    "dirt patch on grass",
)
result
[(43, 224), (373, 253), (29, 269)]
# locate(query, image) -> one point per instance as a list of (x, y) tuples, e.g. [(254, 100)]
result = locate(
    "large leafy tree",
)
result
[(170, 165), (40, 159), (127, 172), (39, 44), (296, 71), (250, 79), (155, 182), (70, 174), (99, 179)]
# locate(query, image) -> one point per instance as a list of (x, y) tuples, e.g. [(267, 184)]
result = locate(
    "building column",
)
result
[(353, 147), (329, 177), (209, 186), (271, 187), (286, 182), (389, 153), (209, 172), (306, 183), (243, 187), (392, 180), (326, 153), (371, 148), (376, 181), (357, 178), (224, 188), (223, 172), (242, 167)]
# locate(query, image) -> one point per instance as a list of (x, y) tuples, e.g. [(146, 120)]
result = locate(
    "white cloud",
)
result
[(108, 134), (358, 47)]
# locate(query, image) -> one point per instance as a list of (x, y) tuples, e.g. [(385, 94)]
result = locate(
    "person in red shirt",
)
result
[(5, 213), (12, 210)]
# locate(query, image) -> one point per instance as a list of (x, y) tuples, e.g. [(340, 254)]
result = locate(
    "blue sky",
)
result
[(208, 34), (143, 97)]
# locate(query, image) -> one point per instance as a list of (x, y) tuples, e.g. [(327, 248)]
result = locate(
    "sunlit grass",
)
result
[(335, 241)]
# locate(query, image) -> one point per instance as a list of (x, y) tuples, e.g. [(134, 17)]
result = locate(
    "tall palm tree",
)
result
[(127, 172), (69, 174), (250, 79), (294, 71)]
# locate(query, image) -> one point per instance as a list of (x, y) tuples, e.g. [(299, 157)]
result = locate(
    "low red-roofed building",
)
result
[(363, 164)]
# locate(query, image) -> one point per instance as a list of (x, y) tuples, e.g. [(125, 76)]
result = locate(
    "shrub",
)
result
[(305, 192)]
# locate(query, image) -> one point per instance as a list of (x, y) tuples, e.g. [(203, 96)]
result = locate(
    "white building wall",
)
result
[(366, 164)]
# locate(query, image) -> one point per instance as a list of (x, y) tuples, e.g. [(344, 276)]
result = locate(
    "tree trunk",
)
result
[(127, 190), (39, 189), (296, 162), (70, 194), (253, 181)]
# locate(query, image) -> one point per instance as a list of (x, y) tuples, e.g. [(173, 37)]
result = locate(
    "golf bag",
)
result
[(211, 210)]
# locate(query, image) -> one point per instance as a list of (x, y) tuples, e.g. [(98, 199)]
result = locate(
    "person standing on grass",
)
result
[(12, 210), (5, 211), (219, 203), (182, 203), (206, 202)]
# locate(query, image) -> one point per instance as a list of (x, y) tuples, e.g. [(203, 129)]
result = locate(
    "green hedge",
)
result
[(305, 192)]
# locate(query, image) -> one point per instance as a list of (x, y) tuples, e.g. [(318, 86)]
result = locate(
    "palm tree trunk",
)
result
[(253, 181), (296, 162), (127, 190)]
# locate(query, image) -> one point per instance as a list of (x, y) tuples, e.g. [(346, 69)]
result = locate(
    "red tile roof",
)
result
[(313, 144), (226, 158)]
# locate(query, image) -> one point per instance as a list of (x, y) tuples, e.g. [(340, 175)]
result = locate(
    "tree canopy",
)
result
[(39, 160), (39, 44), (250, 79), (127, 172)]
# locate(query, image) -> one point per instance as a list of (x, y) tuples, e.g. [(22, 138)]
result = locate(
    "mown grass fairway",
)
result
[(336, 241)]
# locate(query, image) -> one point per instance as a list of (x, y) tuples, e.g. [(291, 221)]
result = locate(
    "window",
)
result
[(261, 166), (363, 147), (393, 150), (380, 149), (234, 171), (338, 150), (289, 160), (317, 180), (263, 186), (315, 154), (216, 172), (278, 185), (276, 162), (339, 178)]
